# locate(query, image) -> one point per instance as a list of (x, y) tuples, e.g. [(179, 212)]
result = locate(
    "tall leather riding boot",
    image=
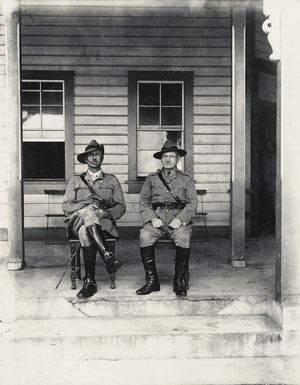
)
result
[(111, 263), (181, 276), (89, 284), (152, 282)]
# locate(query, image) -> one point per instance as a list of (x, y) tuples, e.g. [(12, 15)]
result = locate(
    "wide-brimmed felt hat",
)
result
[(169, 146), (93, 146)]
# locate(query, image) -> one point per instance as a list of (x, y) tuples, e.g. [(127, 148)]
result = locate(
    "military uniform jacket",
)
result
[(108, 188), (154, 191)]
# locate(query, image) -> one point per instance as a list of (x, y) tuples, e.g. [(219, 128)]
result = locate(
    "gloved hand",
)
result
[(175, 223), (157, 223)]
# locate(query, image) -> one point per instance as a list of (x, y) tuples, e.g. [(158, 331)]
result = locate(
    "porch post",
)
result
[(288, 277), (10, 10), (238, 181), (283, 29)]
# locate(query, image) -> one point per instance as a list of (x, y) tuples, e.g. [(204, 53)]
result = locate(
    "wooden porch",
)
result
[(211, 275)]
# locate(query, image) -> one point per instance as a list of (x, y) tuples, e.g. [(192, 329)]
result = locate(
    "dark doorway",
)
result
[(263, 169), (267, 167)]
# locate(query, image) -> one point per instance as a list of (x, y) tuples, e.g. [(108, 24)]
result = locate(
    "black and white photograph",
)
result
[(149, 192)]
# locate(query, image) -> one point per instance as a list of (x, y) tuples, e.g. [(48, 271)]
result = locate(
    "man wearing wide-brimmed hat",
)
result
[(168, 201), (92, 203)]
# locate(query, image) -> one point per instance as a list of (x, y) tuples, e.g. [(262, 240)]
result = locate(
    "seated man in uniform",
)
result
[(92, 203), (168, 201)]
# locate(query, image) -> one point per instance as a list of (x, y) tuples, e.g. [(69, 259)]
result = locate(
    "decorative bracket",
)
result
[(271, 26)]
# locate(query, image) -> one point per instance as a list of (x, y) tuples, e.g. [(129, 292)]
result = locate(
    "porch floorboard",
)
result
[(211, 275)]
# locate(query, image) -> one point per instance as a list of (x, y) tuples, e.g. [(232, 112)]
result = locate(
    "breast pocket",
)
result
[(180, 191), (105, 192), (81, 192), (158, 192)]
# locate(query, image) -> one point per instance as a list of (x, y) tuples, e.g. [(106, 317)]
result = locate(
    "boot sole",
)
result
[(152, 291), (87, 296), (181, 294)]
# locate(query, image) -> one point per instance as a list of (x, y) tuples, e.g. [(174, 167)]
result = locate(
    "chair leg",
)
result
[(205, 226), (112, 277), (112, 280), (73, 275), (47, 231), (78, 264), (73, 249)]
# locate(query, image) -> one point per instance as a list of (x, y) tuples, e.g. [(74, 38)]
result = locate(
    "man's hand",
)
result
[(157, 223), (101, 213), (175, 223)]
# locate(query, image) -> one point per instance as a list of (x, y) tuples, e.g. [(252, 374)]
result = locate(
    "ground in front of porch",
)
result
[(220, 334)]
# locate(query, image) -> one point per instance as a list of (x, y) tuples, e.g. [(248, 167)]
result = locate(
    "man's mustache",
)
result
[(93, 163)]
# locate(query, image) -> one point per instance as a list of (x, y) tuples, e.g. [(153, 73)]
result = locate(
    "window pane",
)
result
[(150, 142), (149, 94), (171, 116), (43, 160), (31, 118), (171, 94), (149, 116), (52, 117), (55, 98), (30, 85), (31, 98), (147, 163), (175, 136), (52, 86)]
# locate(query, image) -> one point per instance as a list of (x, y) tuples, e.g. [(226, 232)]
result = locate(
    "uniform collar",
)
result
[(94, 175), (170, 175)]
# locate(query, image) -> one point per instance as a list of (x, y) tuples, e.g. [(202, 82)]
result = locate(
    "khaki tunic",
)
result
[(154, 191), (78, 196)]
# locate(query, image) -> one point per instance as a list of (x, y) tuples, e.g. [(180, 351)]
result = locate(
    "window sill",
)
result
[(38, 186)]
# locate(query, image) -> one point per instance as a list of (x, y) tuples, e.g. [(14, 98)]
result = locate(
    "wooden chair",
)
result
[(74, 244), (50, 215), (165, 243), (203, 214)]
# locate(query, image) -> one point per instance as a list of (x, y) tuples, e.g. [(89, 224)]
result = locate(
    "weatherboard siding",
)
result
[(101, 45)]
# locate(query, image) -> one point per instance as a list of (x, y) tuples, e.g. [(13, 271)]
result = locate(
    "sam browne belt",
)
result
[(169, 205)]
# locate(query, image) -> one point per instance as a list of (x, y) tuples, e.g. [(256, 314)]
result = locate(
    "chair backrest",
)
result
[(54, 192), (50, 192), (201, 193)]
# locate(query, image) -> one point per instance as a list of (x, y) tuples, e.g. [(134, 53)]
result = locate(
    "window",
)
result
[(47, 124), (159, 108), (160, 117)]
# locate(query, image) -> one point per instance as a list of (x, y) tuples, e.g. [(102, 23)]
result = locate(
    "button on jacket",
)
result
[(108, 188), (154, 191)]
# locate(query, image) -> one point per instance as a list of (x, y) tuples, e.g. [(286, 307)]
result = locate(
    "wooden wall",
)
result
[(3, 137), (100, 45)]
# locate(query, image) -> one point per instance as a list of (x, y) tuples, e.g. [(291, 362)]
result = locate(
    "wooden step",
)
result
[(165, 337)]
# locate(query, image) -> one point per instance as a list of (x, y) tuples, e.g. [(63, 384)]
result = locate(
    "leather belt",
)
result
[(169, 205)]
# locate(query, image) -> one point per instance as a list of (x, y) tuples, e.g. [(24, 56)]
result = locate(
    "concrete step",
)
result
[(217, 371), (95, 338), (112, 304)]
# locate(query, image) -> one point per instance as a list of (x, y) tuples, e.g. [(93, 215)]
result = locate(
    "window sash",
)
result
[(44, 132), (134, 181), (143, 155), (37, 186)]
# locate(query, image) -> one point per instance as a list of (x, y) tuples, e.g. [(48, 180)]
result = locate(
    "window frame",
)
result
[(38, 186), (134, 182)]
